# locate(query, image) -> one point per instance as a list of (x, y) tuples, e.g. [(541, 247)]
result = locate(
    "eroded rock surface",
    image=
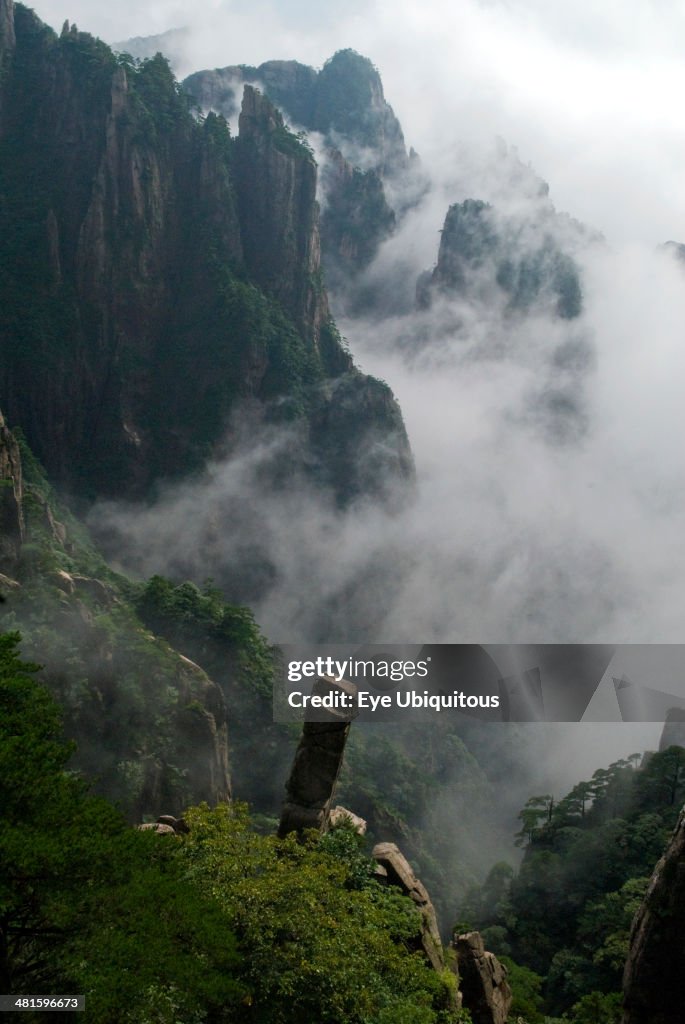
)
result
[(399, 872), (318, 759), (483, 980)]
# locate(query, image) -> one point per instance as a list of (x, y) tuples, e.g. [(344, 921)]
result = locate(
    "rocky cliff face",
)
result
[(349, 103), (487, 257), (365, 147), (344, 102), (652, 979), (105, 213), (160, 273), (163, 744), (279, 214), (356, 219)]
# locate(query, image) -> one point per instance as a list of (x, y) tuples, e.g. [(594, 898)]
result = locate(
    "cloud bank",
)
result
[(590, 95), (513, 536)]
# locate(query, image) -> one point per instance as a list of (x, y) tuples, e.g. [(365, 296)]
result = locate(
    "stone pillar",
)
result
[(318, 760), (483, 980)]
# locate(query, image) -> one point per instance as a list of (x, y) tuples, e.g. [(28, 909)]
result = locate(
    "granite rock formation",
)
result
[(483, 981), (318, 759), (491, 257), (278, 213), (344, 101), (162, 275), (399, 872), (364, 148), (673, 732)]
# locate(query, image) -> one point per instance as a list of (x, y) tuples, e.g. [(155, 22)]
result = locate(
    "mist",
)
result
[(591, 96), (514, 534), (550, 499)]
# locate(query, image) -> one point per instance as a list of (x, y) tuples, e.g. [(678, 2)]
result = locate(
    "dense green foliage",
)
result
[(225, 640), (566, 914), (219, 925), (325, 941), (141, 715), (83, 897)]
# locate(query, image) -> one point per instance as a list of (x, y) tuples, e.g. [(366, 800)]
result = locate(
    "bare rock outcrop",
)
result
[(341, 816), (313, 776), (652, 981), (318, 759), (399, 872), (166, 825), (279, 213), (158, 828), (483, 980)]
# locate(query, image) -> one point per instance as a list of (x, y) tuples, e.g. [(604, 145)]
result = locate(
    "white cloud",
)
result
[(511, 538), (589, 93)]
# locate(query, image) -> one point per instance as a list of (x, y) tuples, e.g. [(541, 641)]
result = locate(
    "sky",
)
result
[(589, 93)]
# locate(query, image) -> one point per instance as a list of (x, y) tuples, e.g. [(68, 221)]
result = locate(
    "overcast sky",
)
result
[(591, 94)]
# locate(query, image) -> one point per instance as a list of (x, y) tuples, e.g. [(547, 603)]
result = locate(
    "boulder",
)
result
[(340, 816), (157, 827), (178, 824)]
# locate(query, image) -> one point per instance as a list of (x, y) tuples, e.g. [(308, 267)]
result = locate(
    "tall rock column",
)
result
[(483, 980), (397, 870), (279, 215), (318, 759)]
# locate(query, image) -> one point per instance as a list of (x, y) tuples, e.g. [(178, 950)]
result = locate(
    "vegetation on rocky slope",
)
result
[(565, 916), (222, 924)]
